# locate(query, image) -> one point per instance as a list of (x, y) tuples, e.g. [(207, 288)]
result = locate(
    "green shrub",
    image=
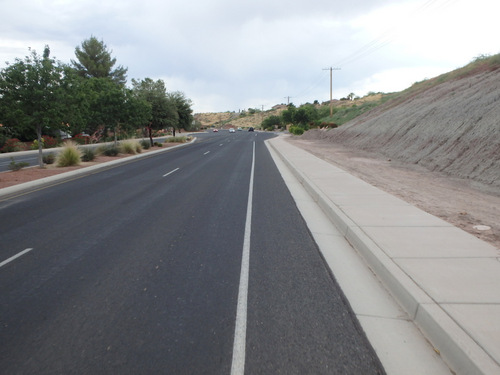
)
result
[(49, 158), (69, 155), (110, 150), (47, 142), (296, 130), (13, 145), (13, 166), (34, 145), (145, 144), (88, 154), (157, 144)]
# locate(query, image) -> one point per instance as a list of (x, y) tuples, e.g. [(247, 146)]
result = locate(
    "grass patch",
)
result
[(88, 154), (130, 147), (70, 155)]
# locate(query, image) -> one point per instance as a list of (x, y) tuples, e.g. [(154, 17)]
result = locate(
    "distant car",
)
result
[(240, 129), (250, 129), (215, 130), (231, 130)]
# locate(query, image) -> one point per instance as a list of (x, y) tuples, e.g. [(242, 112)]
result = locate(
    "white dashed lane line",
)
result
[(15, 256)]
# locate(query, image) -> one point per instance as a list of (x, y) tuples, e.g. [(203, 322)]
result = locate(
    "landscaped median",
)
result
[(26, 179)]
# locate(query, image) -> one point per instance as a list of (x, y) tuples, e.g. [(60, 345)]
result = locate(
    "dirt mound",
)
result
[(450, 124)]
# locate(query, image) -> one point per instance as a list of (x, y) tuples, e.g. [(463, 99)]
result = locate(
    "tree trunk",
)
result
[(40, 146), (150, 133)]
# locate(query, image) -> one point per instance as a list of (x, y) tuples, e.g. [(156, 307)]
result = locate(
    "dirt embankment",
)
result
[(452, 127), (437, 147)]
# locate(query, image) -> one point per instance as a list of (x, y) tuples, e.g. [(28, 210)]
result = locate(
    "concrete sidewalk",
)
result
[(447, 280)]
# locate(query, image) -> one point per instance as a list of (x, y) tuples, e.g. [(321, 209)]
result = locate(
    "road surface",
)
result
[(146, 268)]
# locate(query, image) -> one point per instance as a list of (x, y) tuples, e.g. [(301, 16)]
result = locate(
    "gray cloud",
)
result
[(228, 55)]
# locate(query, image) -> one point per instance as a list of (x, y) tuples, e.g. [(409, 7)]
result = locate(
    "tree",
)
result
[(271, 121), (163, 111), (94, 60), (183, 109), (31, 96), (288, 114), (106, 103)]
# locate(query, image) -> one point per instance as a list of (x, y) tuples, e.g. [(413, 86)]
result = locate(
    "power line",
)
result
[(390, 34)]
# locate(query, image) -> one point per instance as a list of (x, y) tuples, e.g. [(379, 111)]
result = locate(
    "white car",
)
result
[(231, 130)]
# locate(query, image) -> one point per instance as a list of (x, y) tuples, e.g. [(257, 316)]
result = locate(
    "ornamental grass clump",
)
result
[(176, 140), (130, 147), (70, 155)]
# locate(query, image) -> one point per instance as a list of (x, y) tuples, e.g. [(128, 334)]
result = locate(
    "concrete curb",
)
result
[(47, 181), (454, 344)]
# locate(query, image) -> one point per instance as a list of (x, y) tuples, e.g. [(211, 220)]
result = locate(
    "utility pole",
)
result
[(331, 100), (288, 99)]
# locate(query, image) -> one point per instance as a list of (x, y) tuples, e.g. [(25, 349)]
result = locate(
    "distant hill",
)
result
[(450, 124)]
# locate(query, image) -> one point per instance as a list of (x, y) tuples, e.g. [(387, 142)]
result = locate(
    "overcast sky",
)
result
[(228, 55)]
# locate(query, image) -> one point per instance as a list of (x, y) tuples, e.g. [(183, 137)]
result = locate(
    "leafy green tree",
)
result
[(31, 96), (304, 115), (94, 60), (108, 105), (271, 121), (183, 109), (288, 114), (163, 111)]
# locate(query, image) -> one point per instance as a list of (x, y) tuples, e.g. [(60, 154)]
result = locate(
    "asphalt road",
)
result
[(137, 269)]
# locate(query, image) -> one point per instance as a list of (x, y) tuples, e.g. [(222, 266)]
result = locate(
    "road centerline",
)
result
[(15, 256), (172, 171), (238, 363)]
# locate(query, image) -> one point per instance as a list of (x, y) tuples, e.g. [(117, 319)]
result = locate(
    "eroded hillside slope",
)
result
[(450, 124)]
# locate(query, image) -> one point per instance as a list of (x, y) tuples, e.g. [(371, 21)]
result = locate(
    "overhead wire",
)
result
[(390, 34), (384, 39)]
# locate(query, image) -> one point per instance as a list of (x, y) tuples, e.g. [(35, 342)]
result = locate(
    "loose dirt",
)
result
[(463, 203)]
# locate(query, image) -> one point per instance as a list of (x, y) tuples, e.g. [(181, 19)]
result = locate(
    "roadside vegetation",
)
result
[(317, 115), (86, 100), (69, 156)]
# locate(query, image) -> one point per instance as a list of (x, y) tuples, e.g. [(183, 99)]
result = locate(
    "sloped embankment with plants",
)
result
[(449, 124)]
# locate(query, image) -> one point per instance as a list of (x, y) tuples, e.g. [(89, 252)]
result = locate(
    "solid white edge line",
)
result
[(240, 331), (175, 170), (15, 256)]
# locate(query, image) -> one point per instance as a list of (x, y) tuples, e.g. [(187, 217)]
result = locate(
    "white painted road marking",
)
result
[(240, 331), (166, 174), (208, 152), (15, 256)]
